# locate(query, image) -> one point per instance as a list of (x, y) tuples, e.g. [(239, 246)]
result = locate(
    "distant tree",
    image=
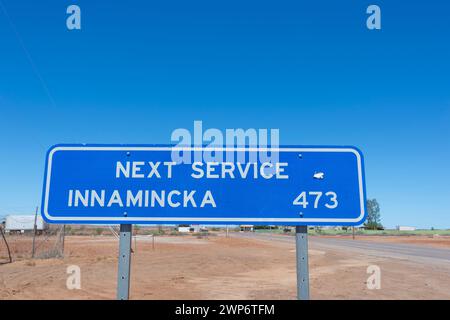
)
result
[(373, 215), (258, 227)]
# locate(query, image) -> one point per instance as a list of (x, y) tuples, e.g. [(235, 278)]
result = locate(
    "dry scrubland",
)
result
[(192, 267)]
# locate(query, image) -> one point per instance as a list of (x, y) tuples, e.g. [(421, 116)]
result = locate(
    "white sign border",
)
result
[(208, 220)]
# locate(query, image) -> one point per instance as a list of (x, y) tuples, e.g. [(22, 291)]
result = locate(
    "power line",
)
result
[(28, 55)]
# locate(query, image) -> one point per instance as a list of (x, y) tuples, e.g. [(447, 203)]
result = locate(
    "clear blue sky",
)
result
[(139, 69)]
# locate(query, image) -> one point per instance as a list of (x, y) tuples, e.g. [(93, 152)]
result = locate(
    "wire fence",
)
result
[(16, 246)]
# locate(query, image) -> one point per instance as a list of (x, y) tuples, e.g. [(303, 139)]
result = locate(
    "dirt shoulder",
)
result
[(431, 241), (217, 268)]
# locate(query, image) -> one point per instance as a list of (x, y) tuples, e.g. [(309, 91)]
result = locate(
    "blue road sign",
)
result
[(126, 184)]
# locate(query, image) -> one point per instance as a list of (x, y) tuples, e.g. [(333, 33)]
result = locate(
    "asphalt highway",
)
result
[(418, 253)]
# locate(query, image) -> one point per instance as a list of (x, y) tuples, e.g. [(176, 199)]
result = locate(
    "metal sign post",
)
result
[(123, 275), (301, 241)]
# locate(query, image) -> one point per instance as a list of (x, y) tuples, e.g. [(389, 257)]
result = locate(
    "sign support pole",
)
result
[(301, 241), (123, 276)]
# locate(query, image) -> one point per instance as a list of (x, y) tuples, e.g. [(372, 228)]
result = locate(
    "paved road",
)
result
[(387, 250)]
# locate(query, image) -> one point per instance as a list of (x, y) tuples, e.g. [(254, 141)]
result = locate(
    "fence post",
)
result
[(63, 239), (6, 243)]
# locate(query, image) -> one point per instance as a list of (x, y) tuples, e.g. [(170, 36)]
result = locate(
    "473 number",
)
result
[(330, 199)]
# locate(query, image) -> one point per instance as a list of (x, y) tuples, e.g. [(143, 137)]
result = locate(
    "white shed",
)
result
[(406, 228), (23, 223), (184, 229)]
